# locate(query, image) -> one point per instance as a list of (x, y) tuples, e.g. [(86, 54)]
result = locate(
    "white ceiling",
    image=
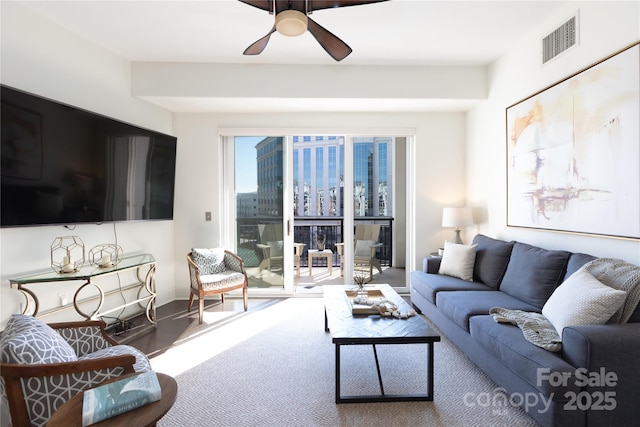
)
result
[(396, 32)]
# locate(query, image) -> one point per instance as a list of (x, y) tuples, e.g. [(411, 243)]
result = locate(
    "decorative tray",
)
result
[(363, 308)]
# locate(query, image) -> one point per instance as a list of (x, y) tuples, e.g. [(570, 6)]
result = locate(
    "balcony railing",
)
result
[(305, 230)]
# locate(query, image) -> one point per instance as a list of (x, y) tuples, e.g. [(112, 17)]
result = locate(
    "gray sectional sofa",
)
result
[(592, 381)]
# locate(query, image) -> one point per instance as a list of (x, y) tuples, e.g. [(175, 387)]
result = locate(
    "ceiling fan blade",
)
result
[(257, 47), (329, 42), (260, 4), (330, 4)]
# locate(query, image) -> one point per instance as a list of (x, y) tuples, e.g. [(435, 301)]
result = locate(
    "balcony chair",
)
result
[(365, 246), (213, 272), (43, 366), (272, 244)]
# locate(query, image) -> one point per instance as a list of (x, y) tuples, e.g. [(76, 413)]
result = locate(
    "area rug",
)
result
[(274, 366)]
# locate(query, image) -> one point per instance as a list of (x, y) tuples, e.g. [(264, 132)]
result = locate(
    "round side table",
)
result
[(70, 413)]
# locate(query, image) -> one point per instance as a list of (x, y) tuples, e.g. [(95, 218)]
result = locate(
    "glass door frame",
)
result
[(227, 192)]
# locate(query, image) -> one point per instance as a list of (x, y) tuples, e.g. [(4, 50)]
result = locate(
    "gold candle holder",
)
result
[(67, 254)]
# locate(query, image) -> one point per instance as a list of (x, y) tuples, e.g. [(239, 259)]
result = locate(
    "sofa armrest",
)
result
[(431, 264), (608, 356), (593, 346)]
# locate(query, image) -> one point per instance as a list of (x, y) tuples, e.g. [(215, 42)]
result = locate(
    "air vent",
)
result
[(561, 39)]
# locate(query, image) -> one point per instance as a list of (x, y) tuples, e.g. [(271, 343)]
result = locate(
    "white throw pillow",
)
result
[(363, 248), (582, 300), (458, 260)]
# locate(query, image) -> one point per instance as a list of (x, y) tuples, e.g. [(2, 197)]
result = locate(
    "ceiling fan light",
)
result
[(291, 23)]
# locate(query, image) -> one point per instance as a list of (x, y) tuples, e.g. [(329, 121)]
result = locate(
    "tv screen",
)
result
[(65, 165)]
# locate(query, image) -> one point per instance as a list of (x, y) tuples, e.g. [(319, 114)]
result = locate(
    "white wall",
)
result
[(605, 27), (44, 59)]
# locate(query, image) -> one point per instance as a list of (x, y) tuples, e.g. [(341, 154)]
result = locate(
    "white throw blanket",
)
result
[(615, 273)]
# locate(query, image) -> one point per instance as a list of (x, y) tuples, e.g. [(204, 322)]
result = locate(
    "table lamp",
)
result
[(456, 218)]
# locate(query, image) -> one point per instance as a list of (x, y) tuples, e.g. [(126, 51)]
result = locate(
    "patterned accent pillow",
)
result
[(582, 300), (28, 340), (209, 261)]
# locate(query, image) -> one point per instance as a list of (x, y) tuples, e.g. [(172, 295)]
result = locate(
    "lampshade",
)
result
[(457, 217), (291, 23)]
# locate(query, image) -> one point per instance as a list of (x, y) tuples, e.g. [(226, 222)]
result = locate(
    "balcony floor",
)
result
[(306, 284)]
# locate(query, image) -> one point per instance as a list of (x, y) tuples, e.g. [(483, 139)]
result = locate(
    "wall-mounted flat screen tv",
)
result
[(64, 165)]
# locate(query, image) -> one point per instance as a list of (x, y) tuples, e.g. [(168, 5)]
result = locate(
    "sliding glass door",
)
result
[(259, 208), (317, 191)]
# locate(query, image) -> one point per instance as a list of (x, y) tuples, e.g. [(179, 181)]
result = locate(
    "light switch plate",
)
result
[(207, 216)]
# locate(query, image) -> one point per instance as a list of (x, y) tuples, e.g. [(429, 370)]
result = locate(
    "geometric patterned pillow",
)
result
[(209, 261), (28, 340), (142, 363)]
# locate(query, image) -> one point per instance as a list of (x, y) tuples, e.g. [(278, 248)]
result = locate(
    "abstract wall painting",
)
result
[(573, 152)]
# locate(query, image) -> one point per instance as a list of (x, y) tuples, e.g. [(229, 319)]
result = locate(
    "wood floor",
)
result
[(173, 321)]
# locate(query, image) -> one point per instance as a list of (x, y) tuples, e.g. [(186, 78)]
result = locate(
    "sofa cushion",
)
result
[(460, 306), (28, 340), (492, 258), (533, 273), (458, 261), (582, 300), (576, 261), (428, 285), (526, 360)]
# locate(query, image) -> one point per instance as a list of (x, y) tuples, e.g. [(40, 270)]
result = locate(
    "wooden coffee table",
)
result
[(70, 413), (349, 329)]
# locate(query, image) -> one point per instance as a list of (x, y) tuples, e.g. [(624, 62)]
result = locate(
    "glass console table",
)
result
[(145, 269)]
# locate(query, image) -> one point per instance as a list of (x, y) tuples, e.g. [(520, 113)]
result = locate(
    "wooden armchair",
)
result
[(214, 272), (43, 365)]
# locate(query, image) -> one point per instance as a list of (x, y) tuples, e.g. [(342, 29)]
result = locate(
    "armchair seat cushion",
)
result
[(222, 280), (27, 340), (142, 362)]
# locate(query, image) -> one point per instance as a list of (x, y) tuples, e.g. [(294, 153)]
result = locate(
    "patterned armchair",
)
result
[(43, 366), (213, 272)]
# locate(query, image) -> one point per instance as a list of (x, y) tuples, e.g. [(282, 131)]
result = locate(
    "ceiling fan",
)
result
[(292, 20)]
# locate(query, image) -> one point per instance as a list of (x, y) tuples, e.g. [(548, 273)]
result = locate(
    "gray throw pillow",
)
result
[(28, 340), (533, 273)]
